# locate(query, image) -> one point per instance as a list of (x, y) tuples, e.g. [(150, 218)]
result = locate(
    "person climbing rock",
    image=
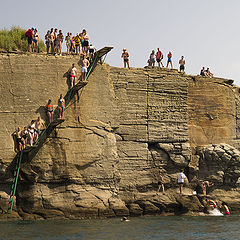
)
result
[(61, 105), (49, 108), (181, 177), (125, 56), (73, 75), (25, 135), (31, 131)]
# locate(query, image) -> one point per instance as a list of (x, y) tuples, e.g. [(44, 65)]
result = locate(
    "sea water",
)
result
[(139, 228)]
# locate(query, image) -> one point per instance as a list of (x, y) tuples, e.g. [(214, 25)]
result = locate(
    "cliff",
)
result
[(121, 129)]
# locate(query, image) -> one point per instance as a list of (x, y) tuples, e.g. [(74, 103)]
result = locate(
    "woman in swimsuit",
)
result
[(49, 108), (35, 40), (31, 132), (61, 105), (68, 42)]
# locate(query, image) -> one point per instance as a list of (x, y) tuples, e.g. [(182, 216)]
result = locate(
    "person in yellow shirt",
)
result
[(77, 40)]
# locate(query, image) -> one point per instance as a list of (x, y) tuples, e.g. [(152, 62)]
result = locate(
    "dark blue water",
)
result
[(166, 228)]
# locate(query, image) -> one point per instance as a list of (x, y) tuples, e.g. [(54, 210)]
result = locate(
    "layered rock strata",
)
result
[(120, 131)]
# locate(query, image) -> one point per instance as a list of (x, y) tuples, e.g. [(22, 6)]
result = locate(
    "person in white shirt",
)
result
[(181, 177)]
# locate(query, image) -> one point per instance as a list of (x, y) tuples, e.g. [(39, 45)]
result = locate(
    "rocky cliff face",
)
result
[(121, 129)]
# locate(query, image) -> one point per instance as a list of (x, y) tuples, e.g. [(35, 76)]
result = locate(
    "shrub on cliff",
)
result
[(15, 40)]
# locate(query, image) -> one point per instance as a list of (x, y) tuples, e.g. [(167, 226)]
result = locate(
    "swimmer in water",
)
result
[(124, 219), (226, 209)]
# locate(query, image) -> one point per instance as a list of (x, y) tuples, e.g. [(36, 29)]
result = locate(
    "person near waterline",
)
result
[(205, 185), (49, 108), (226, 209), (61, 105), (169, 56), (73, 75), (161, 183), (181, 177), (159, 57), (19, 139), (84, 69), (125, 56), (152, 59), (182, 63)]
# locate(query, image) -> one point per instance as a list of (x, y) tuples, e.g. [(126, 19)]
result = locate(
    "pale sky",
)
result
[(206, 32)]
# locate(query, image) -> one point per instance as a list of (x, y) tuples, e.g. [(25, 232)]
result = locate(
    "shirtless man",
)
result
[(73, 75), (55, 40), (85, 65), (182, 63), (125, 56), (38, 124)]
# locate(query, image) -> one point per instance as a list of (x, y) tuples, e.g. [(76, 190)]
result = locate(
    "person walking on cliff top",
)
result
[(152, 59), (73, 75), (169, 56), (159, 57), (125, 56), (84, 69), (182, 63), (181, 177)]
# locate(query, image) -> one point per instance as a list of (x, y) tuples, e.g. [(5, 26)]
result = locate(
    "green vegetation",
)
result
[(15, 40)]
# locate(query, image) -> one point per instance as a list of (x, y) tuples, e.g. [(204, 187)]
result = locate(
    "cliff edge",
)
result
[(120, 130)]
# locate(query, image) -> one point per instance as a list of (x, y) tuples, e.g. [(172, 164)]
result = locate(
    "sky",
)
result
[(206, 32)]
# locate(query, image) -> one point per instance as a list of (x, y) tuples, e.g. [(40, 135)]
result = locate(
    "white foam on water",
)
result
[(215, 212)]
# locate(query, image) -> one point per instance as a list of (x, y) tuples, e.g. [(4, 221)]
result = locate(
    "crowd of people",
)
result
[(76, 44), (30, 133), (203, 186), (158, 57)]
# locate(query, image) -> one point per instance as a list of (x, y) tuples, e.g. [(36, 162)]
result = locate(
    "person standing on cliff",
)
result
[(182, 63), (84, 69), (73, 75), (152, 59), (169, 56), (181, 177), (29, 35), (161, 183), (125, 56), (159, 58)]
